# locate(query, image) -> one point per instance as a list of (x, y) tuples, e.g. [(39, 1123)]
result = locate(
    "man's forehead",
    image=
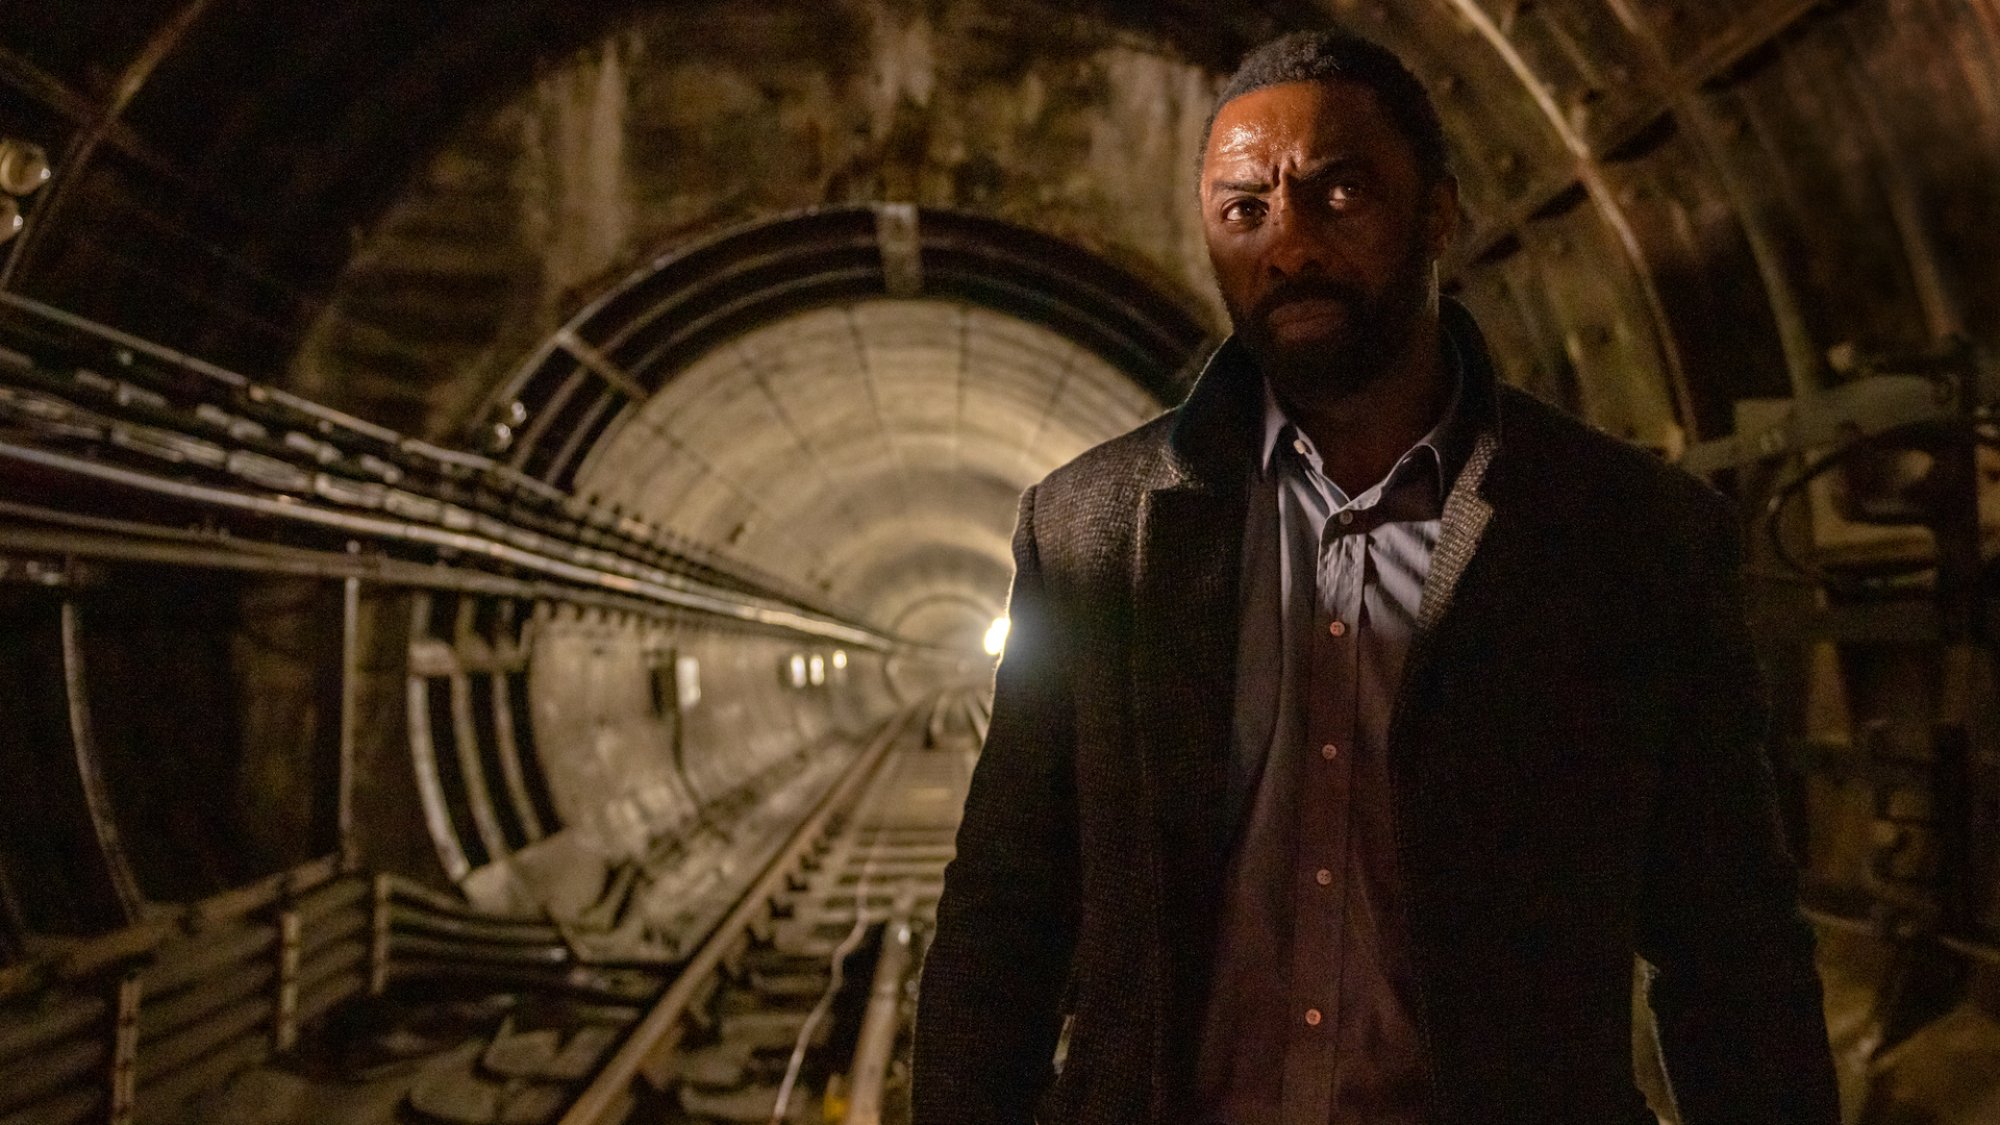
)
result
[(1324, 111)]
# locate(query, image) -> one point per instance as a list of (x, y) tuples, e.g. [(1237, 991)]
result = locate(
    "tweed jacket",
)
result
[(1577, 773)]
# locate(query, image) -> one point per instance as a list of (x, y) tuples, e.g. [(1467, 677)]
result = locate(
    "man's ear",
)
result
[(1441, 215)]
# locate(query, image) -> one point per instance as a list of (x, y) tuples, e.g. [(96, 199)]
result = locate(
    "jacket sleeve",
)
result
[(991, 994), (1735, 990)]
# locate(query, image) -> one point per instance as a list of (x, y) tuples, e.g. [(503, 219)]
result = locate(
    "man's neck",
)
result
[(1360, 436)]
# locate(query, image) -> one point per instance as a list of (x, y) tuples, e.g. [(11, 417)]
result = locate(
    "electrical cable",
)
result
[(1897, 578)]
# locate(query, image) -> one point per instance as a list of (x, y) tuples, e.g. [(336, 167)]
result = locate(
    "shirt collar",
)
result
[(1441, 440)]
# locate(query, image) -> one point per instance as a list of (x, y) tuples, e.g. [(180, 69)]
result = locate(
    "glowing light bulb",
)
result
[(996, 636), (24, 167)]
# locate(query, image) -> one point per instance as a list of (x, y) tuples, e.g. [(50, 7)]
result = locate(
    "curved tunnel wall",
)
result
[(1670, 207)]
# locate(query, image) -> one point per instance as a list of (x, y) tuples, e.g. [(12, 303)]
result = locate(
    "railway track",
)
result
[(793, 1009), (330, 994)]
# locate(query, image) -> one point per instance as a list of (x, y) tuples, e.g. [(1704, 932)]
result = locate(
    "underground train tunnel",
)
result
[(505, 505)]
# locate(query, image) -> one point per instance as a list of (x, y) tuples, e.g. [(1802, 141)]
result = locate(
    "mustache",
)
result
[(1308, 289)]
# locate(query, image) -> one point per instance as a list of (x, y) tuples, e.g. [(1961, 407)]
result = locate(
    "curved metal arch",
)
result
[(631, 339), (1603, 199)]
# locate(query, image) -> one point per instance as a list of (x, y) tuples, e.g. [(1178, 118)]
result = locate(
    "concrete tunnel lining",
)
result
[(811, 430), (1671, 207)]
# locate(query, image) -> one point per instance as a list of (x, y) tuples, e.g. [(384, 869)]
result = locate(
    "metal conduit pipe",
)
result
[(178, 1049), (37, 1076), (163, 1018), (257, 392), (882, 1022), (19, 1037), (331, 930), (479, 930), (207, 1073), (419, 947), (70, 1109), (603, 987), (700, 600), (207, 959)]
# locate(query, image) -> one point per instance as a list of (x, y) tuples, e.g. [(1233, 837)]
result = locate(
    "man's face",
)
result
[(1322, 233)]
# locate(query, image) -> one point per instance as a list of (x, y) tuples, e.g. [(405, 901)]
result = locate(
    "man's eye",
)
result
[(1344, 195), (1241, 210)]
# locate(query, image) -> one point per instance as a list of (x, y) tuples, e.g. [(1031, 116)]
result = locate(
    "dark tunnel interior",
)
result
[(480, 478)]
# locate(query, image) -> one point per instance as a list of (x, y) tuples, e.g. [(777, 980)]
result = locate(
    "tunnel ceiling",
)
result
[(1670, 205), (846, 448)]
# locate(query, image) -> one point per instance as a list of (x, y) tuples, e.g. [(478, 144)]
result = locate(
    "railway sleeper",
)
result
[(519, 1077)]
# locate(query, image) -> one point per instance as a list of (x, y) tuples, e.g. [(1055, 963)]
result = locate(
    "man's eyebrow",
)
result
[(1311, 174), (1331, 166)]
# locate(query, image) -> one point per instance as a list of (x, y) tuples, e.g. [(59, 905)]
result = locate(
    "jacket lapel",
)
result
[(1185, 600), (1465, 524), (1461, 528), (1468, 511)]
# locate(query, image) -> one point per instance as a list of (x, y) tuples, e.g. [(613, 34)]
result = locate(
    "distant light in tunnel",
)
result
[(839, 659), (996, 636), (818, 670), (24, 167)]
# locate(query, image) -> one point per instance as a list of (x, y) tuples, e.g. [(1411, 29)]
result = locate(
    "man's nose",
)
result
[(1296, 248)]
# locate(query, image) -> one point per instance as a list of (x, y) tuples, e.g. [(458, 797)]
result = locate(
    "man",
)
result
[(1363, 718)]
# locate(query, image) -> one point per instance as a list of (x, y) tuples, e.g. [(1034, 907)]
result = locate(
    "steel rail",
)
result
[(609, 1095)]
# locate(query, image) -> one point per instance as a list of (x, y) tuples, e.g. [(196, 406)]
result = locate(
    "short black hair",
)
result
[(1325, 56)]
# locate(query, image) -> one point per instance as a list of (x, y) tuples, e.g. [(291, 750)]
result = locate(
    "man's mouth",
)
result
[(1306, 315)]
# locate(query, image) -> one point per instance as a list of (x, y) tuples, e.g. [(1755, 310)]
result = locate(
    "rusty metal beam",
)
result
[(81, 111), (116, 866), (1787, 312), (512, 773), (1590, 177), (471, 765), (600, 365), (124, 1086), (424, 753), (1676, 87), (350, 716)]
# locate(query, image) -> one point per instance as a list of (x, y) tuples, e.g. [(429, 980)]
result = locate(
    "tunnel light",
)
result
[(687, 680), (817, 669), (797, 666), (839, 659), (24, 167), (996, 636)]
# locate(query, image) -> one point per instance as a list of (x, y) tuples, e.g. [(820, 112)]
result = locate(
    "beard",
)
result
[(1323, 363)]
